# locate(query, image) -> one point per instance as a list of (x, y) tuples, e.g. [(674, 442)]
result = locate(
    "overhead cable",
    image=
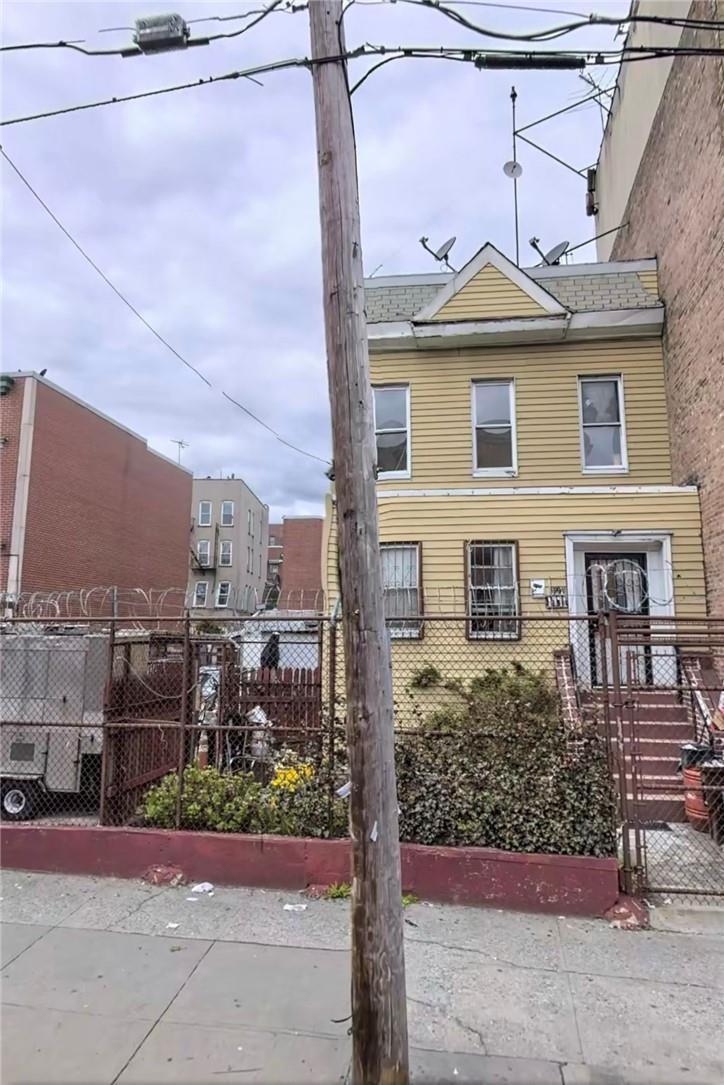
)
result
[(184, 361), (499, 59), (448, 10), (79, 45), (567, 28)]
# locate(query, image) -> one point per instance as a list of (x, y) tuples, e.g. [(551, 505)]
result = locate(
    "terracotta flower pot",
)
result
[(695, 807)]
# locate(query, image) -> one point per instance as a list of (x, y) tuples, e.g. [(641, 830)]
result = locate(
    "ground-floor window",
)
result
[(401, 569), (492, 590)]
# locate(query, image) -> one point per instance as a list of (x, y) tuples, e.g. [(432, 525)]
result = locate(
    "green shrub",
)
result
[(237, 803), (211, 800), (495, 767), (425, 677)]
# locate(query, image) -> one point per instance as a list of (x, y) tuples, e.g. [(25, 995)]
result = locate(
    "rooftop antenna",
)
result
[(513, 169), (440, 254), (181, 445), (553, 256)]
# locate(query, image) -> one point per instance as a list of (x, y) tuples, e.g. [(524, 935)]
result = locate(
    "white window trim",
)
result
[(395, 632), (223, 523), (205, 585), (611, 470), (222, 543), (381, 475), (203, 542), (219, 586), (499, 635), (495, 472), (205, 523)]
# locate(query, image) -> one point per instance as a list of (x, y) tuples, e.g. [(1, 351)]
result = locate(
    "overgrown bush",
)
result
[(495, 768)]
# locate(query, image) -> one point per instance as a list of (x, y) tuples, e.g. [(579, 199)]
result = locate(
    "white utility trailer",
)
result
[(51, 716)]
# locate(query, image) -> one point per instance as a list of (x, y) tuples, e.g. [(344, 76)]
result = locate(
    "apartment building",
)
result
[(84, 502), (229, 540)]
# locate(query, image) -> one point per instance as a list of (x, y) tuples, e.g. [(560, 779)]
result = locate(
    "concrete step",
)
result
[(656, 746), (659, 714), (655, 766), (663, 807), (666, 729)]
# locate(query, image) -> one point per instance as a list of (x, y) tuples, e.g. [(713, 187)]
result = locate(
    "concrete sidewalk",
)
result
[(106, 981)]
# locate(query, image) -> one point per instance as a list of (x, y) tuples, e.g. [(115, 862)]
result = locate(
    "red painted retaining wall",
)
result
[(572, 885)]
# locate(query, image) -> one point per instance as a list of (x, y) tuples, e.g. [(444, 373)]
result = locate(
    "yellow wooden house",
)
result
[(523, 454)]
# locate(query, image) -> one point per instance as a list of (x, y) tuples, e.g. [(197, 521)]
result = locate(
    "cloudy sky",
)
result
[(202, 207)]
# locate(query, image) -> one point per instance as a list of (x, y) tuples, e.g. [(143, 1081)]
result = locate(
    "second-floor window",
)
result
[(201, 589), (401, 588), (492, 589), (250, 521), (203, 552), (494, 451), (204, 514), (223, 592), (227, 513), (392, 430), (603, 438), (225, 552)]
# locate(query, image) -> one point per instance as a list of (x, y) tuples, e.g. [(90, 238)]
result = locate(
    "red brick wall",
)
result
[(302, 563), (676, 214), (102, 509), (11, 409)]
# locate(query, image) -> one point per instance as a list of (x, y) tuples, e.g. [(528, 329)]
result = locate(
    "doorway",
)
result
[(626, 572), (617, 581)]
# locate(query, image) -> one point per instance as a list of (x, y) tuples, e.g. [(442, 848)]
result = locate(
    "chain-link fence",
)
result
[(667, 693), (584, 735)]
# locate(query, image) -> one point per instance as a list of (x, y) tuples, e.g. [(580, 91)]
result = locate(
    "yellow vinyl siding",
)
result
[(537, 523), (547, 412), (650, 281), (489, 295)]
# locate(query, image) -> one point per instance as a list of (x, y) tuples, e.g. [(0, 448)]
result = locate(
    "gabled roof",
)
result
[(581, 288), (490, 286)]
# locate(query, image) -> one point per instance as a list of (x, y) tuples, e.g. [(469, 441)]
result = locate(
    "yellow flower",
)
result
[(290, 777)]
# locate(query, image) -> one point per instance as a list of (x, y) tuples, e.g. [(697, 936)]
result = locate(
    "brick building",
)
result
[(294, 562), (83, 501), (674, 210)]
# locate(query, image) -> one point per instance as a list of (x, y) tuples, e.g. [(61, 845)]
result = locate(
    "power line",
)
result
[(500, 59), (149, 326), (448, 10), (566, 28), (134, 50), (260, 69)]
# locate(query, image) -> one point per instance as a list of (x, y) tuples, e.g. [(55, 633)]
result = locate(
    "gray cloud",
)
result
[(202, 207)]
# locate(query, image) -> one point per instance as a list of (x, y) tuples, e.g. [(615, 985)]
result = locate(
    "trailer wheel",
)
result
[(19, 800)]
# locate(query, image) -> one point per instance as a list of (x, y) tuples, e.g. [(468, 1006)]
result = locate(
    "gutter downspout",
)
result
[(22, 490)]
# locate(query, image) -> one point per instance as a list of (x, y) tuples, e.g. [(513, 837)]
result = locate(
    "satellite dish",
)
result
[(554, 256), (513, 169), (444, 249)]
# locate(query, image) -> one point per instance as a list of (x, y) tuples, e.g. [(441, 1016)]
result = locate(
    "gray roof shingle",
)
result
[(579, 293)]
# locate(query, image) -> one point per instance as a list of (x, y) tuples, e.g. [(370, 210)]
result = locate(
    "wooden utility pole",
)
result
[(379, 1013)]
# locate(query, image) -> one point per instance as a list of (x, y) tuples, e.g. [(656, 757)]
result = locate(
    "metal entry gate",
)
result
[(667, 746)]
